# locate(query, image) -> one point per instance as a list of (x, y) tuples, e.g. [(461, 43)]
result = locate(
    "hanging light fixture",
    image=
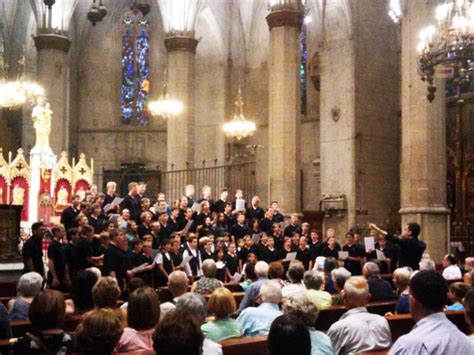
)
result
[(97, 12), (164, 106), (239, 127)]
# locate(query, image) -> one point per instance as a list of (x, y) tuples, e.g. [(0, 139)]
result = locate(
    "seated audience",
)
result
[(134, 284), (358, 330), (195, 304), (303, 308), (221, 305), (451, 270), (81, 292), (469, 312), (28, 287), (329, 265), (469, 278), (106, 293), (177, 285), (178, 334), (98, 332), (456, 293), (295, 275), (5, 328), (46, 313), (427, 264), (380, 290), (257, 320), (249, 276), (401, 279), (143, 314), (208, 281), (314, 282), (433, 333), (261, 271), (339, 277), (276, 271), (288, 336)]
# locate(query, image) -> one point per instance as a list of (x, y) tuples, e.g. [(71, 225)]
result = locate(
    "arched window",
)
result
[(135, 69), (303, 69)]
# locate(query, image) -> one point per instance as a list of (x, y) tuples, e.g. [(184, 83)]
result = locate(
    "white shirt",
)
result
[(187, 267), (359, 331), (293, 290), (211, 348), (167, 307), (432, 335), (452, 272)]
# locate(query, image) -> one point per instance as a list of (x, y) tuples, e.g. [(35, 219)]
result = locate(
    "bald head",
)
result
[(356, 292), (177, 283)]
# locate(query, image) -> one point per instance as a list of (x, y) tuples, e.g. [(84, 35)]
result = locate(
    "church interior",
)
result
[(354, 116)]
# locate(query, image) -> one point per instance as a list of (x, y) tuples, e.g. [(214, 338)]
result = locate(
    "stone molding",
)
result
[(285, 17), (52, 41), (179, 43), (424, 210)]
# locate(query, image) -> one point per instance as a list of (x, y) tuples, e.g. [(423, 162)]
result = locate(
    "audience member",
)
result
[(339, 277), (195, 304), (261, 271), (143, 314), (98, 332), (81, 292), (358, 330), (28, 287), (401, 279), (303, 308), (221, 305), (276, 271), (177, 285), (456, 293), (134, 284), (314, 282), (433, 332), (469, 312), (208, 281), (427, 264), (46, 314), (106, 293), (257, 320), (295, 276), (5, 328), (288, 336), (179, 333), (380, 290), (451, 269)]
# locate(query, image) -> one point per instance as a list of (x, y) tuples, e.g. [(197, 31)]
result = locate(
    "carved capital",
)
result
[(285, 17), (52, 41), (178, 43)]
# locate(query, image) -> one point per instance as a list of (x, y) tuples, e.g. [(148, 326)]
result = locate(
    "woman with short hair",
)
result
[(98, 332), (401, 280), (28, 287), (106, 293), (221, 305), (46, 313), (143, 316), (208, 281)]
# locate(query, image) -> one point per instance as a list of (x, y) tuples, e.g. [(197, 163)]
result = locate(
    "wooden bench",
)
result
[(245, 346), (401, 324), (21, 327)]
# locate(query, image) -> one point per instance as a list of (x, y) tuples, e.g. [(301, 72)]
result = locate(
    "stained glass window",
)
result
[(303, 69), (135, 70)]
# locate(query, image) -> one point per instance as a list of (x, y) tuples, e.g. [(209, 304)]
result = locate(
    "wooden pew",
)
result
[(21, 327), (246, 345), (401, 324), (238, 296)]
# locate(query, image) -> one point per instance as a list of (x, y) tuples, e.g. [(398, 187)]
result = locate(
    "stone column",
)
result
[(423, 165), (53, 75), (284, 166), (180, 143)]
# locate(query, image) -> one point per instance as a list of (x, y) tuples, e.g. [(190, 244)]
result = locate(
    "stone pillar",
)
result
[(423, 165), (180, 143), (284, 168), (53, 75)]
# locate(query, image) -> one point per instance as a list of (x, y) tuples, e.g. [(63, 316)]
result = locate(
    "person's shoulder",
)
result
[(210, 347)]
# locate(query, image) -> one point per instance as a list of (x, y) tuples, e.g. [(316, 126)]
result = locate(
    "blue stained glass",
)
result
[(303, 66), (135, 71)]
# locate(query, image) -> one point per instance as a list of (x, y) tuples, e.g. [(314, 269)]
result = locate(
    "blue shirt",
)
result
[(320, 343), (257, 320), (252, 293), (402, 306), (456, 307), (434, 334)]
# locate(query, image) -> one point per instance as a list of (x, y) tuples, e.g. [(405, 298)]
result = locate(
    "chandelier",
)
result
[(239, 127), (164, 106), (16, 93), (448, 48), (97, 12)]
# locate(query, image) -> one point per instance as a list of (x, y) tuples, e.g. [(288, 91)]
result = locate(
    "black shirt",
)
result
[(33, 249), (143, 230), (267, 226), (96, 223), (380, 290), (115, 259), (411, 251), (290, 229), (68, 217), (327, 252), (278, 217), (354, 267), (239, 231), (271, 255), (56, 254), (132, 204), (218, 206), (316, 249), (232, 263), (304, 256), (82, 250), (55, 343), (255, 213)]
